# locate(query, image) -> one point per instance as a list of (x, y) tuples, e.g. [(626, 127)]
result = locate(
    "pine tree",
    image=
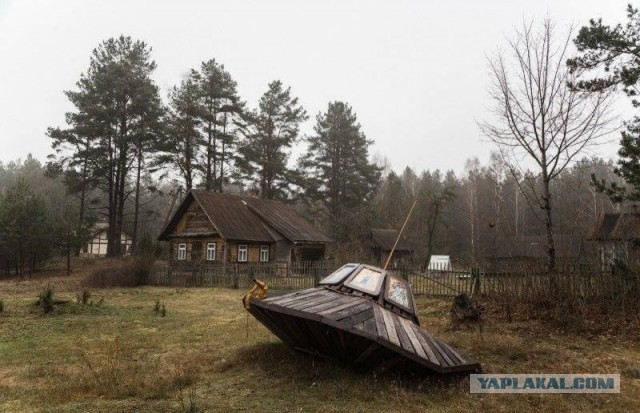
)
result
[(617, 51), (221, 111), (24, 228), (268, 135), (117, 109), (183, 139), (337, 166)]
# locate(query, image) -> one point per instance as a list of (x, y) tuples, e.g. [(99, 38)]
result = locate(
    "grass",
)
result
[(206, 355)]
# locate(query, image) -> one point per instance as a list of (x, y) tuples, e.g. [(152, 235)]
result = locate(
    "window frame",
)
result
[(264, 248), (214, 249), (182, 247), (245, 249)]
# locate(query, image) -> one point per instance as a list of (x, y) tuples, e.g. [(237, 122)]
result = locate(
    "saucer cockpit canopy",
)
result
[(382, 286)]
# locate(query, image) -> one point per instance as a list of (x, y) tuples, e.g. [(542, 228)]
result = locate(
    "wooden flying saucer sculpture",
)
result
[(359, 314)]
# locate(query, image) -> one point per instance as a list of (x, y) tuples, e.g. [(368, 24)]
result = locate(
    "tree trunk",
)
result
[(134, 235), (546, 205)]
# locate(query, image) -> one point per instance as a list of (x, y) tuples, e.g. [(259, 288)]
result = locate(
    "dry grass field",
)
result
[(206, 355)]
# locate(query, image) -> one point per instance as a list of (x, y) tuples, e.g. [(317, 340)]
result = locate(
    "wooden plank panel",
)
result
[(402, 335), (425, 346), (358, 318), (439, 351), (310, 302), (369, 326), (452, 356), (292, 300), (334, 302), (390, 327), (412, 337), (346, 312), (293, 296), (463, 360), (381, 330), (348, 304)]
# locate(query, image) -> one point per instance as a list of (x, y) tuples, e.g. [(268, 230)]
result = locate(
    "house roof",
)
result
[(385, 238), (617, 227), (285, 220), (246, 218)]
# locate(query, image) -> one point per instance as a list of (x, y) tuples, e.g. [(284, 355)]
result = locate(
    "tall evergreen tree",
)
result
[(337, 165), (221, 110), (24, 229), (616, 49), (183, 139), (269, 134), (117, 106)]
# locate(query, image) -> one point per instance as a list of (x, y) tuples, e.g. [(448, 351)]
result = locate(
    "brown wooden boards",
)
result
[(353, 328)]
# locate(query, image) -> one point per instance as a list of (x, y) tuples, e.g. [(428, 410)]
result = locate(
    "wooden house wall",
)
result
[(253, 251), (283, 250), (192, 244), (194, 220)]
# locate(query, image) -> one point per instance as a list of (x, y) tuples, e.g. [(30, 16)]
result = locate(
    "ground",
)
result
[(205, 354)]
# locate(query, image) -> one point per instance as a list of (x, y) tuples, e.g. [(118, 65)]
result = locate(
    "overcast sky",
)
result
[(415, 72)]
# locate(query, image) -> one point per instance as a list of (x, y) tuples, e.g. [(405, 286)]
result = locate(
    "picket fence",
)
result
[(514, 282)]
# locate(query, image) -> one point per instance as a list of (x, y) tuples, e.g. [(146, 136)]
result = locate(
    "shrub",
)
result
[(1, 307), (45, 300)]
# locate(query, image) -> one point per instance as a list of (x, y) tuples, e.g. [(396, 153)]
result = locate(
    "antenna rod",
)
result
[(386, 264)]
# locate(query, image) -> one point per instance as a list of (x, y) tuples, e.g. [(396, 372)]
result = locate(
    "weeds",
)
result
[(188, 403), (84, 298), (160, 308)]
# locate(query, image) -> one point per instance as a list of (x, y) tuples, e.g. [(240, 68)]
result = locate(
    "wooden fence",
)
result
[(277, 275), (514, 283)]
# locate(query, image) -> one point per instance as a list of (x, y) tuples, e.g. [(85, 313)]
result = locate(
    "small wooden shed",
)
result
[(382, 241), (618, 237)]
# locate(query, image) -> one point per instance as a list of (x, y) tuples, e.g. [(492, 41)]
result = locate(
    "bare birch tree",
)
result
[(539, 117)]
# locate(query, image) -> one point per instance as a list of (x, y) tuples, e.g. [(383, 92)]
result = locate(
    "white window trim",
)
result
[(182, 251), (245, 249), (214, 249), (264, 249)]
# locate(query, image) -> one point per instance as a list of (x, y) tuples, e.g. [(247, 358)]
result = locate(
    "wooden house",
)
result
[(97, 244), (225, 228), (618, 237), (381, 243)]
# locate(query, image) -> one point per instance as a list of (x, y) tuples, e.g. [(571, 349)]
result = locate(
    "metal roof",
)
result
[(617, 227), (246, 218)]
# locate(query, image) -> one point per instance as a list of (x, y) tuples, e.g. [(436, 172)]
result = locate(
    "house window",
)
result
[(211, 251), (242, 253), (264, 253), (182, 251)]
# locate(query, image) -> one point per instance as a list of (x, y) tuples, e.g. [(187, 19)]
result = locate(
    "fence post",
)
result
[(475, 281)]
